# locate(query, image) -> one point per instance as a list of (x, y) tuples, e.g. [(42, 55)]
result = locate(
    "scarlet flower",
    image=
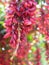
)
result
[(20, 20), (44, 22)]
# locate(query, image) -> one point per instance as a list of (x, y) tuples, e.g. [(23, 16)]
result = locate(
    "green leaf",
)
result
[(29, 37), (1, 22), (30, 55), (42, 44), (41, 37), (33, 48)]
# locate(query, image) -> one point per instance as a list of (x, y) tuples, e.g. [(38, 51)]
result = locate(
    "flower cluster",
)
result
[(20, 20), (4, 56), (43, 21)]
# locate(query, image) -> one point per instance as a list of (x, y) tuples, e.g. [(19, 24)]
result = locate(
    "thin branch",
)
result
[(18, 41)]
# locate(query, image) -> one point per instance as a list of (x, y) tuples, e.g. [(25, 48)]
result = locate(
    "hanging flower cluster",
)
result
[(20, 20), (44, 22)]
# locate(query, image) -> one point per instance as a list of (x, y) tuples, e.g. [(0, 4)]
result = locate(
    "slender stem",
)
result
[(18, 41)]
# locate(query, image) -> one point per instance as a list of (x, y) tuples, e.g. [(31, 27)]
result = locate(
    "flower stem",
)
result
[(18, 41)]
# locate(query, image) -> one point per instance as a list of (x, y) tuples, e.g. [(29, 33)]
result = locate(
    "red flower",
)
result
[(19, 22)]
